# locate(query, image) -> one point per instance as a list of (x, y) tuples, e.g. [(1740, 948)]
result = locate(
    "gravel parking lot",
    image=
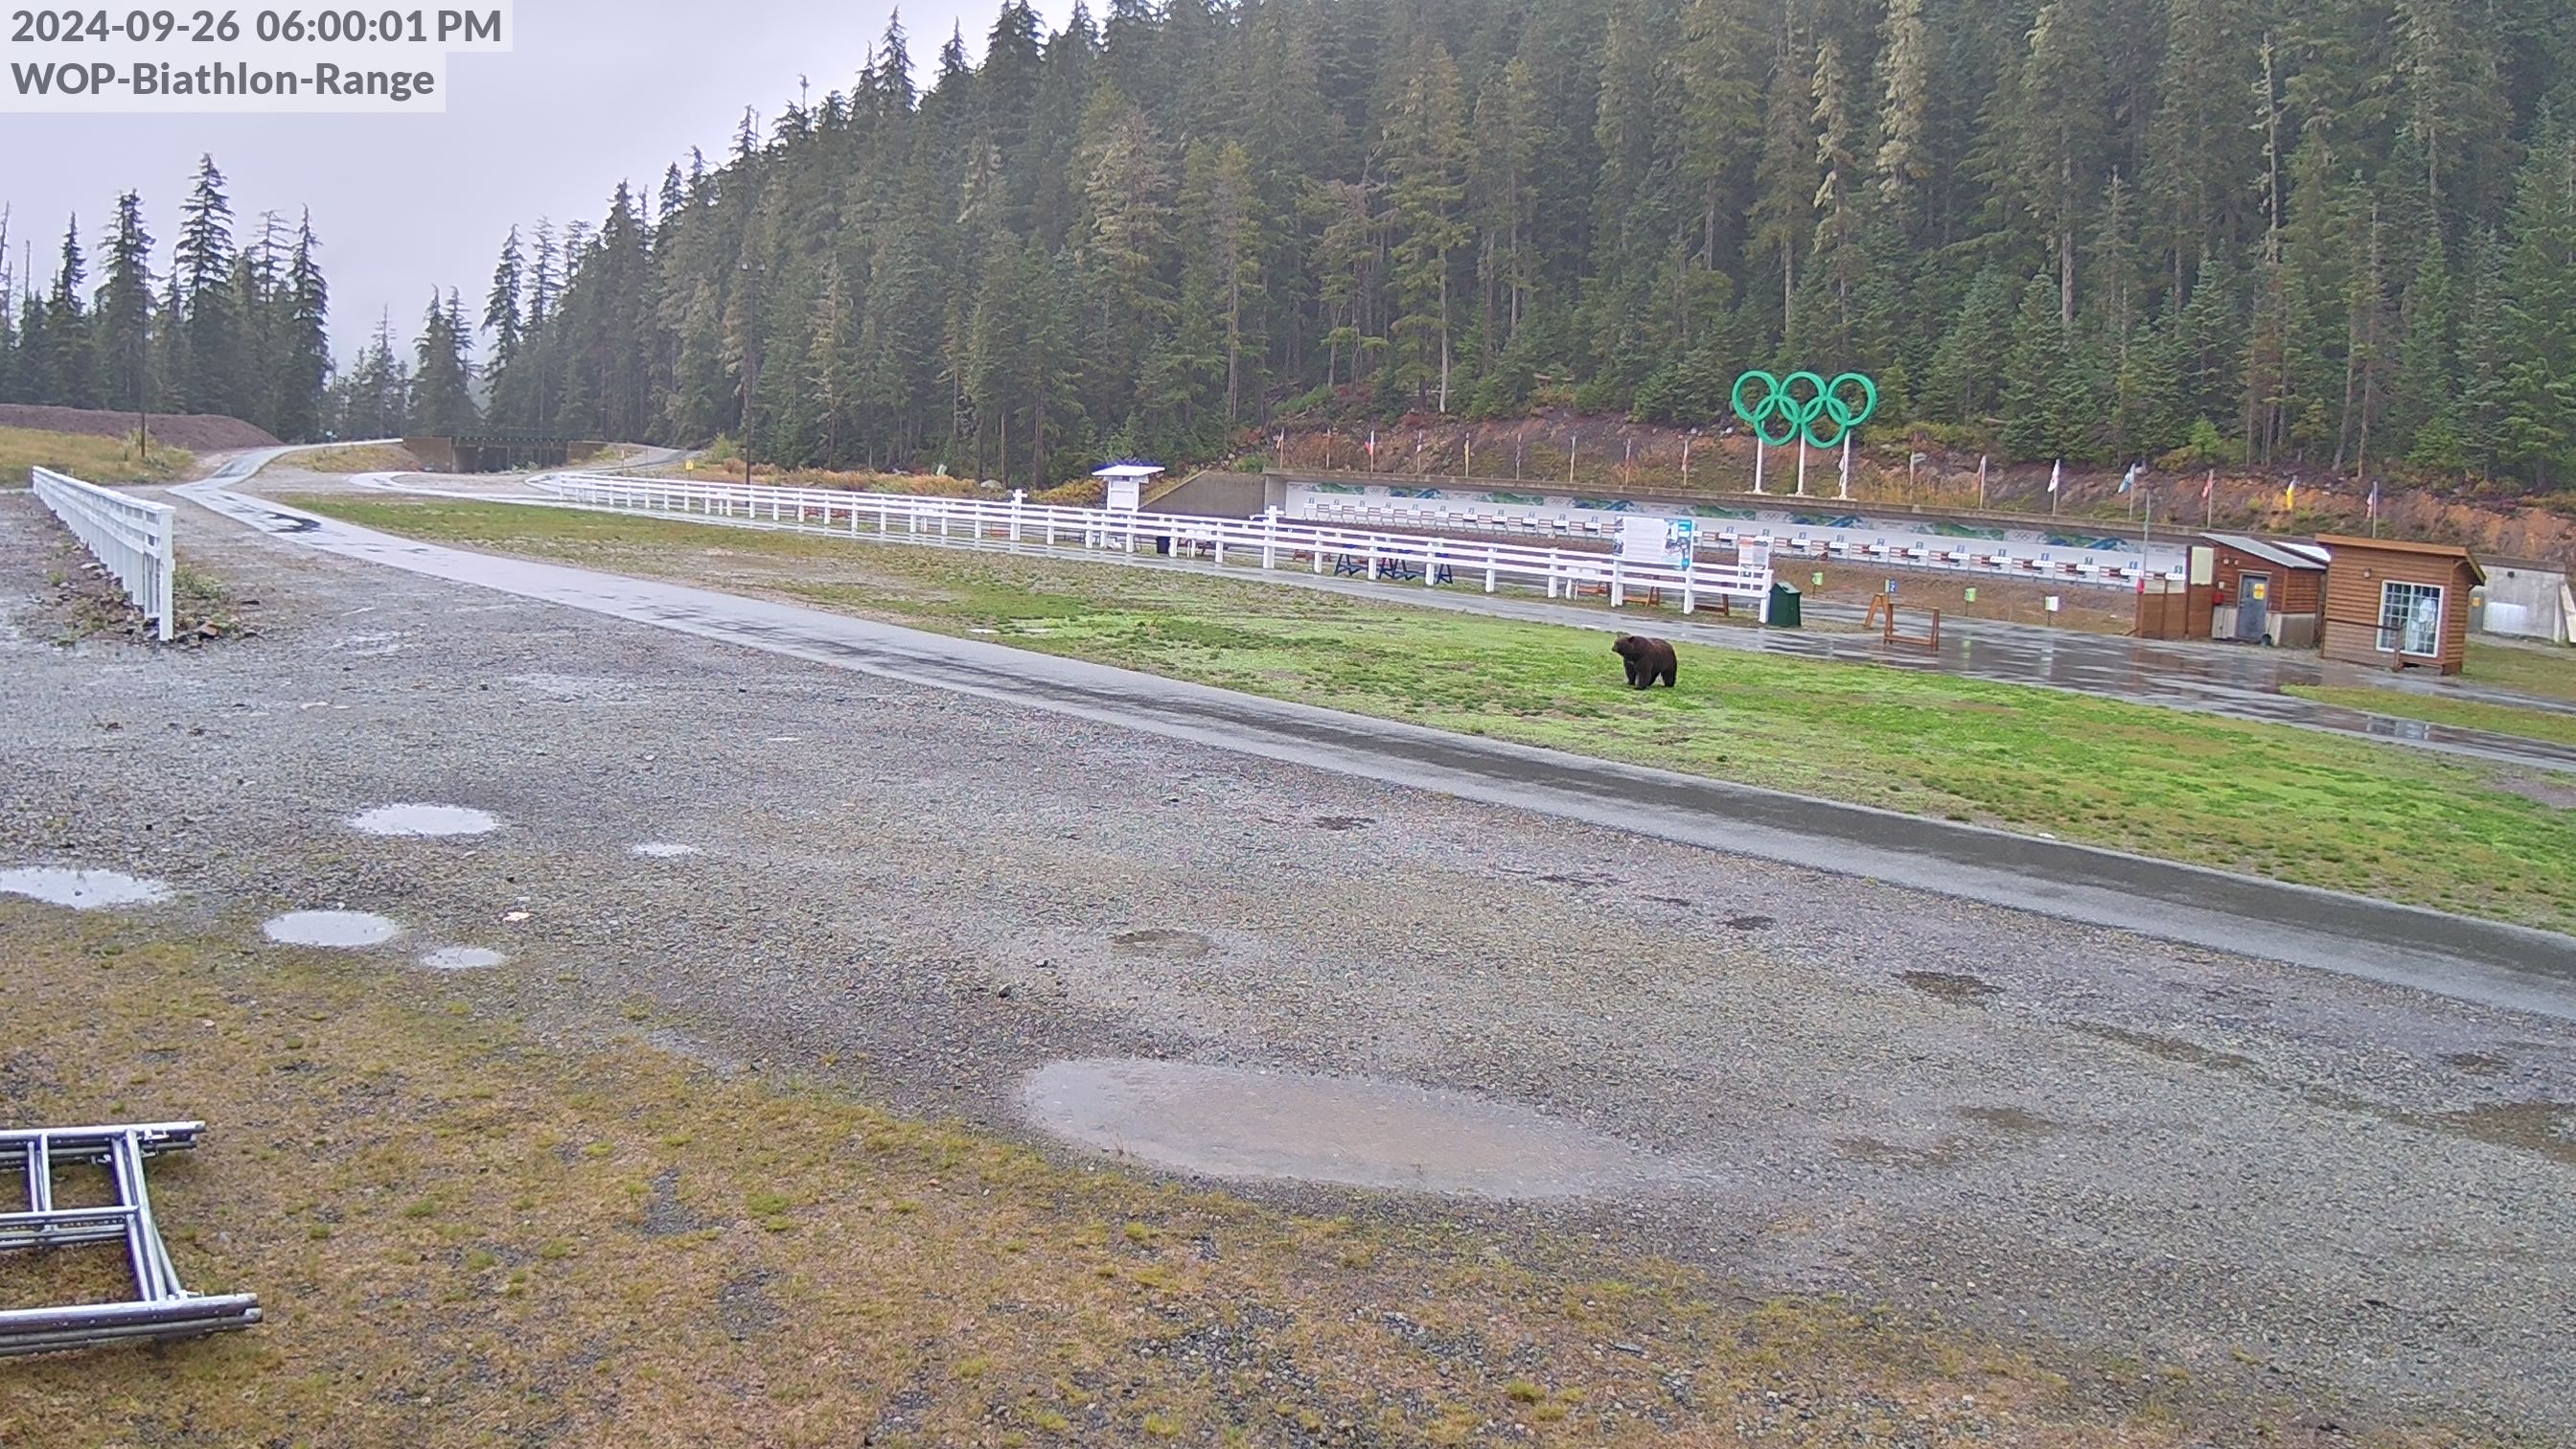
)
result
[(2355, 1193)]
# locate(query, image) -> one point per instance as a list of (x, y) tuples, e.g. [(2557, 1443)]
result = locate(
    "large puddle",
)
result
[(82, 890), (424, 820), (1230, 1122), (329, 928)]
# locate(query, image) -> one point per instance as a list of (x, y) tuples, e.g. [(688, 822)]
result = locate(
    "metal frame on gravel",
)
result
[(160, 1309)]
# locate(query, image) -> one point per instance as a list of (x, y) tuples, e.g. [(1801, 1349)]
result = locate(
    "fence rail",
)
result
[(132, 538), (1268, 542)]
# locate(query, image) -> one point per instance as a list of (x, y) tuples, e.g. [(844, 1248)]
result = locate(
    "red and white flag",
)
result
[(2208, 485)]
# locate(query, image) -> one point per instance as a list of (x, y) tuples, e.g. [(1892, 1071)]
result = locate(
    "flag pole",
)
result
[(1757, 460), (1802, 465)]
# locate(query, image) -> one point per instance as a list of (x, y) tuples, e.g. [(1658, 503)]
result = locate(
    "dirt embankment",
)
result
[(1559, 449), (196, 432)]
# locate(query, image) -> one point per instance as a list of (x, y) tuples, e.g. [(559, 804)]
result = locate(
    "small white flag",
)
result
[(2056, 470)]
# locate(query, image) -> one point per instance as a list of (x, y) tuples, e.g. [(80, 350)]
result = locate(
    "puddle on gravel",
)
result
[(1955, 987), (661, 850), (329, 928), (1169, 945), (1231, 1122), (424, 820), (82, 890), (462, 958)]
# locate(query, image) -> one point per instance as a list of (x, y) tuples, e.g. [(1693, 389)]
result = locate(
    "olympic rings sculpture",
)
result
[(1791, 408)]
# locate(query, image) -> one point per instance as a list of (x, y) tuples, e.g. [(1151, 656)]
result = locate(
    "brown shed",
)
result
[(2256, 590), (2398, 605)]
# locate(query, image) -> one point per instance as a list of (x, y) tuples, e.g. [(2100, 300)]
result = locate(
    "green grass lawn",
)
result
[(90, 459), (2473, 714), (2297, 804), (2545, 670)]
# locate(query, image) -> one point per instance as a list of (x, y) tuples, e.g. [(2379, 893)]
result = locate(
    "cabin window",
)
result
[(2410, 619)]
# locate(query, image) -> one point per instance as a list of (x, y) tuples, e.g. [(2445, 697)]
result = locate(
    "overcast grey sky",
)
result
[(595, 91)]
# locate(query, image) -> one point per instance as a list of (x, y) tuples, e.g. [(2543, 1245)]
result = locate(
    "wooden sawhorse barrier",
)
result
[(1882, 615)]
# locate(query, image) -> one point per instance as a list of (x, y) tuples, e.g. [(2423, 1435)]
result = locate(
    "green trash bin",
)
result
[(1784, 606)]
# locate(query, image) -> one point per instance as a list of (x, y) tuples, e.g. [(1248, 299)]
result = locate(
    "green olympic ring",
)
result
[(1783, 416)]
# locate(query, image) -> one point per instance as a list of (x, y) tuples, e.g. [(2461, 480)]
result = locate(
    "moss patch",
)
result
[(463, 1236)]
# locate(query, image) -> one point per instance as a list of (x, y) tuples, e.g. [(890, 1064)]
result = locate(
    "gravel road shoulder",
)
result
[(2268, 1175)]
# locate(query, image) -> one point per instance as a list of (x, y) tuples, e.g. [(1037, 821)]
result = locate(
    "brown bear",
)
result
[(1649, 661)]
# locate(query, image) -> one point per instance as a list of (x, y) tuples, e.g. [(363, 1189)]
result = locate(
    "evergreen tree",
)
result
[(501, 316), (440, 402), (1784, 206), (305, 366), (125, 311), (2486, 336), (2538, 435), (2424, 418), (71, 352), (2049, 410), (203, 261), (1905, 113), (1426, 163)]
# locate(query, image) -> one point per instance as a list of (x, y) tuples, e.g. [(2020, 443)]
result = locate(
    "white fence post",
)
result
[(134, 540)]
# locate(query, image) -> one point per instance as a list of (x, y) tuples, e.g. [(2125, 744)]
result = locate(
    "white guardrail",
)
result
[(1268, 541), (131, 537)]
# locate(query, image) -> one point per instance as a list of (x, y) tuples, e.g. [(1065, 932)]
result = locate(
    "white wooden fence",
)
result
[(131, 537), (1266, 542)]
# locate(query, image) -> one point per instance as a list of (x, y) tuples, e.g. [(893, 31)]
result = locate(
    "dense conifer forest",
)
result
[(238, 325), (2340, 233), (2334, 234)]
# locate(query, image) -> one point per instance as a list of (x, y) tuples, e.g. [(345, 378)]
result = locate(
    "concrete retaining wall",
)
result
[(2522, 599)]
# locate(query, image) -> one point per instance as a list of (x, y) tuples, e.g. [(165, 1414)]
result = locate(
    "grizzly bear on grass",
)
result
[(1649, 661)]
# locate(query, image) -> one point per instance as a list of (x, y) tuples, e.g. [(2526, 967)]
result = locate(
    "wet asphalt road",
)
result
[(2330, 1187), (2481, 961)]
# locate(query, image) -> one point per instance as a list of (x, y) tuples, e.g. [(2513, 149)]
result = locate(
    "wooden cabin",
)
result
[(2398, 605)]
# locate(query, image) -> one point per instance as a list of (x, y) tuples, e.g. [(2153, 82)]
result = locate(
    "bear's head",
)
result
[(1627, 646)]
